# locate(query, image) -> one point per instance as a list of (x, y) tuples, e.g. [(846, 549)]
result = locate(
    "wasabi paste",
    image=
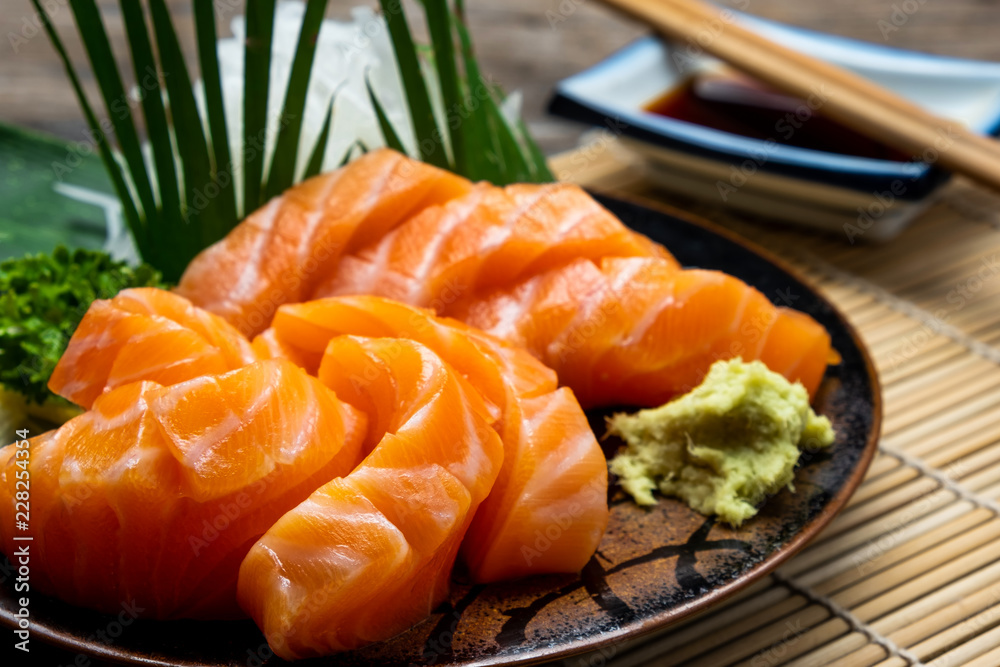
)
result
[(724, 446)]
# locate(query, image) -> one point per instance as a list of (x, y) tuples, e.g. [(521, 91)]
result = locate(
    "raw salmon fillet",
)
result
[(492, 237), (154, 497), (370, 554), (548, 268), (145, 334), (479, 249), (638, 331), (548, 509), (279, 253)]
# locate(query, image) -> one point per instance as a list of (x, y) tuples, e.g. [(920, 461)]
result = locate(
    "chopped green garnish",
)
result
[(42, 300)]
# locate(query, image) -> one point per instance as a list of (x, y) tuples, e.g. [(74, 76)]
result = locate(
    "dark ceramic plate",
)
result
[(654, 566)]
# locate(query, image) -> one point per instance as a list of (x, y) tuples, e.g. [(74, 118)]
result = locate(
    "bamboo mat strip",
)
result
[(909, 572), (882, 465), (795, 646), (892, 370), (988, 659), (947, 481), (856, 623), (753, 644), (891, 549), (956, 459), (956, 617)]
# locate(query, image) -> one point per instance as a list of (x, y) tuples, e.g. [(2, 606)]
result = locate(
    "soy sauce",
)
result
[(759, 113)]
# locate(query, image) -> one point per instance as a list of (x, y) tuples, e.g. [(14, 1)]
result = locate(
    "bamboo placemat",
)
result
[(909, 572)]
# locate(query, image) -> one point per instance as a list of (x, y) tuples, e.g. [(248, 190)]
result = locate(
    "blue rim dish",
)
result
[(959, 88)]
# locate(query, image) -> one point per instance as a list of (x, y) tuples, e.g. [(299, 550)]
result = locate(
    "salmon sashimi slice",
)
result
[(452, 251), (638, 331), (492, 237), (796, 349), (303, 331), (268, 345), (548, 509), (370, 554), (154, 496), (145, 334), (279, 253)]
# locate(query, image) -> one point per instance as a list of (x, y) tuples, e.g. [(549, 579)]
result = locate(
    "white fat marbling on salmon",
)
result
[(315, 217), (246, 285)]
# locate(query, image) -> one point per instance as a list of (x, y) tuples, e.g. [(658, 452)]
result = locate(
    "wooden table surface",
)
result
[(526, 45)]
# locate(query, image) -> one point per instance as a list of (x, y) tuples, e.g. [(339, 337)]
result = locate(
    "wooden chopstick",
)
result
[(842, 95)]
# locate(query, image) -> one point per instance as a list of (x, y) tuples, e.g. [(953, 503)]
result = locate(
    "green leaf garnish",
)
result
[(116, 102), (136, 223), (392, 139), (187, 197), (286, 148), (443, 40), (315, 164), (429, 144), (182, 238), (256, 84), (208, 57), (147, 76)]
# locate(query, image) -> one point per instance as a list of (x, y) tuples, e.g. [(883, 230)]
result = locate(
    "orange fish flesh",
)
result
[(492, 237), (154, 496), (638, 331), (548, 508), (279, 253), (145, 334), (370, 554)]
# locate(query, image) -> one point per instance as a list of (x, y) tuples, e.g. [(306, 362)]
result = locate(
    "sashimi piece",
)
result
[(368, 555), (552, 489), (794, 348), (269, 346), (145, 334), (492, 237), (154, 496), (280, 252), (549, 509), (638, 331), (488, 251), (305, 329), (585, 294)]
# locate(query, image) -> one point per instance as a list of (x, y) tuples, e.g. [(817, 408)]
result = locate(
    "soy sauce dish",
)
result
[(712, 134)]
